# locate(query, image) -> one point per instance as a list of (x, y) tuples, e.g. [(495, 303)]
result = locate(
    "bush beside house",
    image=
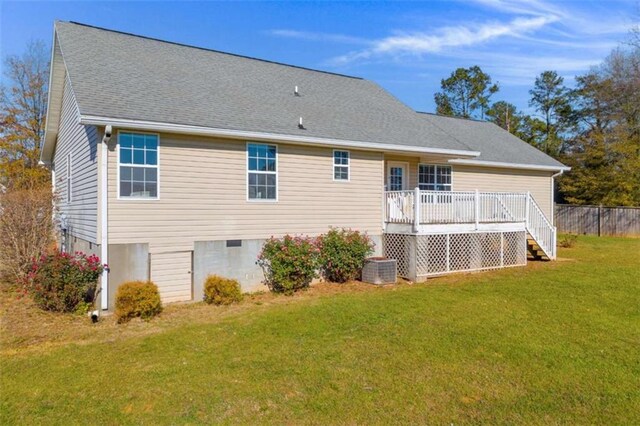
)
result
[(221, 291), (137, 299), (291, 263), (64, 282), (342, 253)]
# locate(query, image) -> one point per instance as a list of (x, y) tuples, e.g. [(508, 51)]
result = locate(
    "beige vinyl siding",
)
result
[(81, 142), (470, 178), (203, 195)]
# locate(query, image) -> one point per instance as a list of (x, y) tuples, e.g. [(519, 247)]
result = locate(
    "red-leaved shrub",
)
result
[(64, 282)]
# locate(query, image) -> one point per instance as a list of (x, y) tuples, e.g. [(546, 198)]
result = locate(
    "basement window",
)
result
[(341, 162), (137, 165)]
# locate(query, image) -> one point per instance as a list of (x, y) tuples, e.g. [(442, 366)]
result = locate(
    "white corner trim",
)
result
[(502, 165), (104, 222), (264, 136)]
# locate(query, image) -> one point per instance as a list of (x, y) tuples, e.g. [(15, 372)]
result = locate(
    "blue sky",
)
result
[(406, 47)]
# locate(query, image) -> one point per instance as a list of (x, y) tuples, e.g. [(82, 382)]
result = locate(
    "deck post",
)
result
[(526, 215), (417, 204), (477, 213)]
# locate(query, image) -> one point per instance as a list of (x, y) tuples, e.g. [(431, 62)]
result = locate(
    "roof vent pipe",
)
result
[(295, 91), (300, 126)]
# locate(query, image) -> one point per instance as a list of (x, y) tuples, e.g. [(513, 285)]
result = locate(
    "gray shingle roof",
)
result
[(494, 143), (123, 76)]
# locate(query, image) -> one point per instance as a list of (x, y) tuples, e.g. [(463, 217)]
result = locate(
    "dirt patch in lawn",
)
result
[(26, 328)]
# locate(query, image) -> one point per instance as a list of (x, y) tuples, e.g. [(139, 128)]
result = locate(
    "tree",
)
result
[(466, 91), (23, 107), (532, 131), (551, 99), (506, 116), (605, 152)]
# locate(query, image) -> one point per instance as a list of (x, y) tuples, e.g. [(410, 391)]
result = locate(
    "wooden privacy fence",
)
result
[(598, 220)]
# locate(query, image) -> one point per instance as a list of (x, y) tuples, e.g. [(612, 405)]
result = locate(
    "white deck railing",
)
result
[(456, 207), (540, 228)]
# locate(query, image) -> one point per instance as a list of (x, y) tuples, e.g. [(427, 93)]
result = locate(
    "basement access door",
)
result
[(172, 273)]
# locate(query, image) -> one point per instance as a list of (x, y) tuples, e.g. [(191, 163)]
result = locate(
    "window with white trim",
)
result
[(341, 162), (69, 183), (433, 177), (138, 165), (262, 178)]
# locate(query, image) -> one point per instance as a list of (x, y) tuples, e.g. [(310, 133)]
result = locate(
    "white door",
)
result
[(171, 272), (397, 177)]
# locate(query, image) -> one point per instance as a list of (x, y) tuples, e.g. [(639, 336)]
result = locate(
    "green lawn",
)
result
[(551, 343)]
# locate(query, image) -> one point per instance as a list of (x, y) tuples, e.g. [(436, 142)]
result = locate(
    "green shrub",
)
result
[(137, 299), (64, 282), (568, 240), (289, 263), (342, 254), (221, 291)]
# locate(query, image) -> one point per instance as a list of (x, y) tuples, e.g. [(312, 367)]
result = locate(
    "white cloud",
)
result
[(312, 36), (524, 7), (446, 37)]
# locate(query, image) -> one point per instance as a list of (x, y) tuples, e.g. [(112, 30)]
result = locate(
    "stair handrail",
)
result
[(547, 246)]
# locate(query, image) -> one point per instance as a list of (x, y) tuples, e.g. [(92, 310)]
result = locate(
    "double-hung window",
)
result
[(138, 165), (341, 165), (262, 179), (434, 177)]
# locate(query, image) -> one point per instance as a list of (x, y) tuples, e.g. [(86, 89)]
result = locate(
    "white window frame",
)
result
[(69, 183), (247, 171), (157, 166), (348, 165), (435, 171)]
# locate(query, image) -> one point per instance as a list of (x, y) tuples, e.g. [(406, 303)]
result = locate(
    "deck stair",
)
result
[(535, 250), (541, 234)]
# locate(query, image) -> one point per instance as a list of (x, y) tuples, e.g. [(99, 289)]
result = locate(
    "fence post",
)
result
[(477, 208), (417, 204), (599, 220)]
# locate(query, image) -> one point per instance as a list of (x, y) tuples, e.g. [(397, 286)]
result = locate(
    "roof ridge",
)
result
[(453, 116), (211, 50)]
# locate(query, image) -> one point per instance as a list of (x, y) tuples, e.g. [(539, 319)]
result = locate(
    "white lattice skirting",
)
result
[(421, 256)]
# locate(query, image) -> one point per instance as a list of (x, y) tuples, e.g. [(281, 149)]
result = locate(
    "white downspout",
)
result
[(553, 197), (104, 228)]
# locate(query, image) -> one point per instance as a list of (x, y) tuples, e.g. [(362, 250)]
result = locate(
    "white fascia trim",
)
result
[(47, 132), (509, 165), (263, 136)]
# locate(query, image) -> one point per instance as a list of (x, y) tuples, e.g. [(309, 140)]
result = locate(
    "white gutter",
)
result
[(264, 136), (104, 210), (502, 165)]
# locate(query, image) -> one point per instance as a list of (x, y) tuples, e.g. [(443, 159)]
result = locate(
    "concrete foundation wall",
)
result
[(127, 262), (78, 244), (215, 257)]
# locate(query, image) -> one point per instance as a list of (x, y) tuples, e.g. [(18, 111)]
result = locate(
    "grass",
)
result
[(551, 343)]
